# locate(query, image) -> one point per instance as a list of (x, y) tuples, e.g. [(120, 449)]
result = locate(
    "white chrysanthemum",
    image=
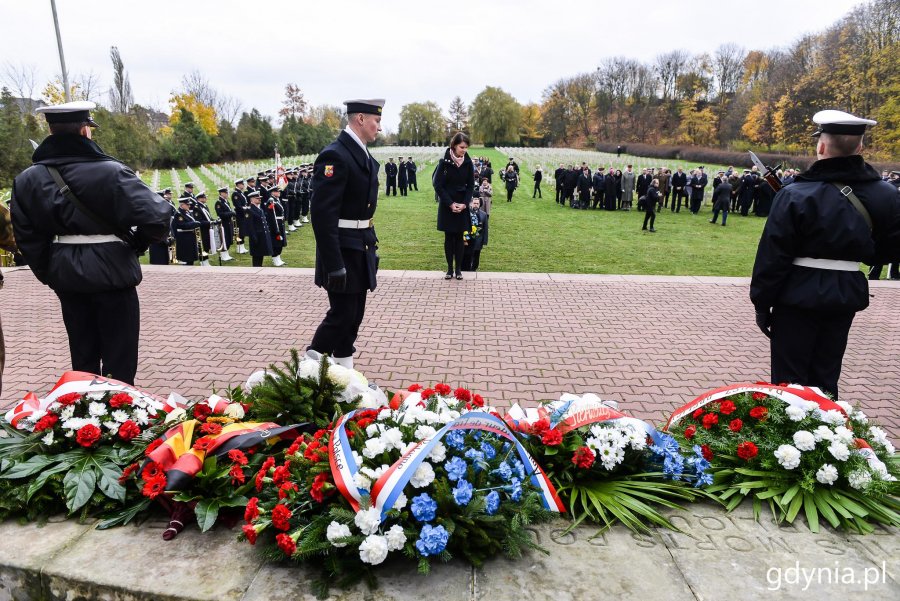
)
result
[(255, 379), (827, 474), (361, 481), (593, 442), (97, 409), (400, 503), (368, 520), (823, 433), (424, 475), (438, 453), (234, 411), (804, 441), (396, 538), (839, 450), (795, 414), (860, 479), (119, 416), (48, 438), (67, 412), (373, 550), (878, 435), (637, 439), (430, 417), (809, 405), (788, 456), (339, 374), (111, 425), (844, 434), (374, 429), (374, 447), (336, 531), (95, 395), (357, 457), (847, 407), (367, 400), (424, 431), (393, 438), (308, 368), (141, 417), (859, 416), (833, 417), (607, 454)]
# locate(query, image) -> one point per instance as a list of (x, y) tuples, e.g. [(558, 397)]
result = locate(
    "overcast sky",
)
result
[(403, 51)]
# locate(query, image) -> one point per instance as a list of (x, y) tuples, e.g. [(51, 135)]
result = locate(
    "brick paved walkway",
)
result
[(650, 342)]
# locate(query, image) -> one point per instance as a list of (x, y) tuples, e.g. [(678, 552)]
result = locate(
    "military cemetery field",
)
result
[(529, 235)]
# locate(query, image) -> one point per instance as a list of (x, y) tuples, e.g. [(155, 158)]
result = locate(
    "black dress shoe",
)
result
[(458, 276), (448, 276)]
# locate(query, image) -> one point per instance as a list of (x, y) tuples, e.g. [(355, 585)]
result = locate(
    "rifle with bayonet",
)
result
[(769, 173)]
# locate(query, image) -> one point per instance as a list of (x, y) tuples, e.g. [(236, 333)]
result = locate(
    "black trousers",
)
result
[(403, 190), (471, 258), (537, 190), (414, 185), (808, 346), (559, 194), (875, 271), (649, 216), (453, 250), (257, 260), (304, 204), (336, 335), (103, 329), (391, 183)]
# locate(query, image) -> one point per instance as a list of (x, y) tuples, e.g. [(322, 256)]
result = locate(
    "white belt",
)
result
[(831, 264), (83, 239), (355, 224)]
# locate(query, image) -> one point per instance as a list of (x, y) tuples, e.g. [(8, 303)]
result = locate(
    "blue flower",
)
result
[(456, 468), (520, 469), (504, 471), (462, 494), (476, 434), (492, 502), (673, 466), (474, 455), (515, 489), (488, 449), (423, 507), (456, 439), (703, 479), (505, 448), (432, 540)]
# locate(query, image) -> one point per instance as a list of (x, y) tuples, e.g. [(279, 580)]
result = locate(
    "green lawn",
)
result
[(540, 236)]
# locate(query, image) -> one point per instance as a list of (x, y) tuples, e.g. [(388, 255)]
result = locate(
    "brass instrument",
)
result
[(201, 254), (235, 231)]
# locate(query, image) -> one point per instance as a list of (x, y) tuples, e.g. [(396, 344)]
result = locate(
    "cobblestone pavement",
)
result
[(651, 342)]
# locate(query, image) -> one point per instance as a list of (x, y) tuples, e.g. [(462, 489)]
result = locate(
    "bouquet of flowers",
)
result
[(606, 465), (433, 475), (795, 449), (71, 445)]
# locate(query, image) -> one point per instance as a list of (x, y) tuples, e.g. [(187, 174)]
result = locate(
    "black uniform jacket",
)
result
[(453, 184), (811, 218), (258, 231), (108, 188), (345, 186), (390, 170), (722, 197)]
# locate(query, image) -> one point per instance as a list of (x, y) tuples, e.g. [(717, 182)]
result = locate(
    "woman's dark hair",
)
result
[(459, 138)]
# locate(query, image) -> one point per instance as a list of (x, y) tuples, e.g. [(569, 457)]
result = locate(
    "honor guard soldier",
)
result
[(807, 284), (275, 218), (345, 196), (390, 173), (187, 248), (290, 200), (239, 202), (227, 216), (81, 219), (159, 251), (189, 193), (411, 174), (257, 229), (402, 177), (305, 193), (204, 218)]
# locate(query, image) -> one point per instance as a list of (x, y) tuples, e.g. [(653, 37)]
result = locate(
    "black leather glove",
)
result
[(764, 321), (336, 281)]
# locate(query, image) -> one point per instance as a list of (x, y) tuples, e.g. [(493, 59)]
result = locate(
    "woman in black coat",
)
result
[(611, 187), (512, 182), (454, 182), (650, 204)]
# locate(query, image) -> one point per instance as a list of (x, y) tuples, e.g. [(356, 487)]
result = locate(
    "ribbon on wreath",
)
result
[(572, 412), (390, 485), (792, 394)]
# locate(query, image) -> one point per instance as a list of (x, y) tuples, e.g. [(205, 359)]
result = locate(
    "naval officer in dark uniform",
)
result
[(344, 198), (81, 218), (390, 172), (807, 284)]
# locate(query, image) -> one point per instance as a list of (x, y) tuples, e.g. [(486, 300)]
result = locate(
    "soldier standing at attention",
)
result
[(807, 285), (186, 249), (402, 177), (390, 172), (411, 174), (226, 215), (81, 218), (345, 196), (239, 202)]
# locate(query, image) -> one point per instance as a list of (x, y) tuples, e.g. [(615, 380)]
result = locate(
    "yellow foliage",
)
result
[(54, 92), (204, 114)]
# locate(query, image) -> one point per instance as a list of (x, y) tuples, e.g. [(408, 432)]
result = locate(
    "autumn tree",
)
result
[(422, 123), (495, 116), (203, 114), (120, 96), (294, 104), (459, 115)]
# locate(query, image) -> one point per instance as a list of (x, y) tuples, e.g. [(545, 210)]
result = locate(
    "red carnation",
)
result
[(735, 425), (706, 452), (364, 423), (126, 473), (46, 422), (415, 388), (726, 407), (69, 399), (203, 444), (710, 420), (153, 446), (478, 400), (281, 517), (462, 395), (87, 435), (251, 512), (237, 475), (151, 470), (318, 490), (154, 487), (747, 450), (202, 411), (250, 532), (282, 474), (690, 431), (442, 389), (286, 544), (237, 456), (285, 489), (427, 393), (212, 429), (264, 471), (541, 426), (128, 430), (697, 413), (313, 450), (319, 434), (759, 396), (120, 399), (759, 412), (552, 438), (583, 457)]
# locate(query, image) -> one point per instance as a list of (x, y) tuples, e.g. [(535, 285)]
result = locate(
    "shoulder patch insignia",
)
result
[(329, 170), (181, 219)]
